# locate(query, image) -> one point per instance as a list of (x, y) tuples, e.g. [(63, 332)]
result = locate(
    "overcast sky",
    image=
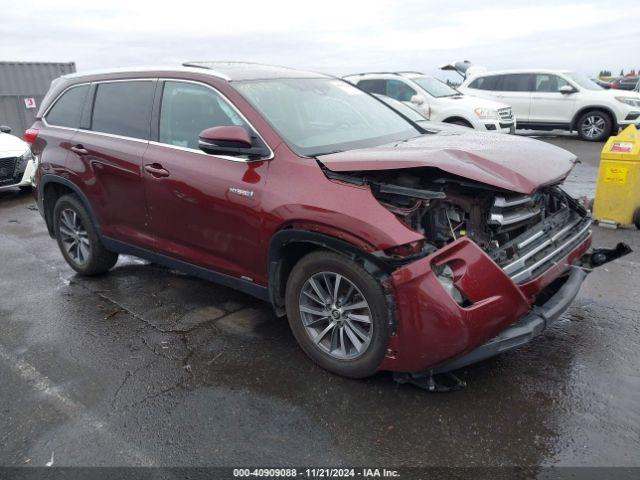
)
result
[(337, 37)]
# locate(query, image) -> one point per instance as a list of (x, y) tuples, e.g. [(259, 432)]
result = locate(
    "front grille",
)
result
[(535, 231), (506, 114), (7, 170)]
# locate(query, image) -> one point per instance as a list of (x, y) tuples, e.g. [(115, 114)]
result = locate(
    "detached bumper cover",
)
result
[(525, 329), (434, 333)]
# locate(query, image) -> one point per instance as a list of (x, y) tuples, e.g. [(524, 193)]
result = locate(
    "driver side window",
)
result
[(549, 83), (187, 109), (399, 90)]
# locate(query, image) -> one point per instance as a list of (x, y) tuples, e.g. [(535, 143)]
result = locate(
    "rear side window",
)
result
[(516, 82), (188, 109), (123, 108), (485, 83), (373, 86), (67, 110)]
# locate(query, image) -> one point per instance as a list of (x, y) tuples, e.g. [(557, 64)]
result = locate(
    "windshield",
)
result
[(401, 108), (435, 87), (316, 116), (583, 81)]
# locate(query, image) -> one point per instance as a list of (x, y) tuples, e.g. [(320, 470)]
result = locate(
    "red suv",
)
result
[(389, 246)]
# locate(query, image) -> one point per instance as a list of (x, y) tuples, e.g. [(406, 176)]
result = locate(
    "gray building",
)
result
[(22, 88)]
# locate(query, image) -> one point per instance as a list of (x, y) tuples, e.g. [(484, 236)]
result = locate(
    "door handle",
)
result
[(156, 170), (80, 150)]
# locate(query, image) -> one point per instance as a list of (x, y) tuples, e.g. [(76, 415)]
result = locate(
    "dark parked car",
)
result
[(604, 84), (625, 83), (388, 247)]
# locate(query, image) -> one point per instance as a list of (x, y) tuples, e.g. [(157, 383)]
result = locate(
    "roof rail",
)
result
[(382, 73), (207, 66)]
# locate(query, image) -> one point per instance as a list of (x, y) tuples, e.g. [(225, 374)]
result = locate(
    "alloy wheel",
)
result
[(336, 316), (74, 236), (593, 126)]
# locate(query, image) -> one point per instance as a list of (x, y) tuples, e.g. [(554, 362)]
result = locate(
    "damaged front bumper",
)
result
[(437, 334)]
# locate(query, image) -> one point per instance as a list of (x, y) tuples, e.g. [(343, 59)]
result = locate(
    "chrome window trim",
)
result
[(113, 135), (46, 112), (152, 142), (231, 104)]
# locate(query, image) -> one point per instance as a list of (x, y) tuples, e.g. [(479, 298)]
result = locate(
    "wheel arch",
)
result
[(288, 246), (50, 188), (458, 118), (601, 108)]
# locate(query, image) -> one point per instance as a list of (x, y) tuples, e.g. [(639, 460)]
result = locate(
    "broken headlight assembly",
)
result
[(444, 274), (24, 159)]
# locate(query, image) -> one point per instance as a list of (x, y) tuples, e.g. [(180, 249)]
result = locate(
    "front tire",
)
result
[(594, 126), (338, 314), (78, 239)]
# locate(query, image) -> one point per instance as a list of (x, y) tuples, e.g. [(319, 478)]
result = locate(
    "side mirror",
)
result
[(229, 140), (418, 99), (567, 90), (5, 129)]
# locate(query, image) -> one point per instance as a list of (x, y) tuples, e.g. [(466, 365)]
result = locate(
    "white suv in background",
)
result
[(17, 164), (437, 101), (554, 99)]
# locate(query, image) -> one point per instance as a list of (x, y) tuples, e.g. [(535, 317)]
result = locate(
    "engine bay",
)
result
[(443, 208)]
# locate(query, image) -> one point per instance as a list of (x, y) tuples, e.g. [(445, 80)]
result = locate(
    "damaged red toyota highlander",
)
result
[(388, 246)]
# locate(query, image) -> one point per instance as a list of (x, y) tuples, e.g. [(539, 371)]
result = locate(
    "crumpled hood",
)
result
[(505, 161)]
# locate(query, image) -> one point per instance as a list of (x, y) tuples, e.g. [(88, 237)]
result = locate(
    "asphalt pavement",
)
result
[(147, 366)]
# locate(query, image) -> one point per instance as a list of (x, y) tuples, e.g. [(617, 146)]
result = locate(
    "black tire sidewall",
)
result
[(315, 262), (605, 134), (92, 266)]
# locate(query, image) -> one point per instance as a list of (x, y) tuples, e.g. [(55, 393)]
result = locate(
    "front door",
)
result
[(548, 105), (203, 209)]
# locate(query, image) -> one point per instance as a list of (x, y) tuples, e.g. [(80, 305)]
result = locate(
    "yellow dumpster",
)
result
[(617, 200)]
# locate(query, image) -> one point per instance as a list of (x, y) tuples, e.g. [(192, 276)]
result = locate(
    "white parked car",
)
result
[(558, 99), (17, 164), (437, 101)]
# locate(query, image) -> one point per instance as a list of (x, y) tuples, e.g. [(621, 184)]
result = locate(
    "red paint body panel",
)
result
[(504, 161), (221, 214), (432, 327)]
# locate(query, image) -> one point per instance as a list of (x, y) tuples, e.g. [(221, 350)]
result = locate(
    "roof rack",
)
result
[(383, 73)]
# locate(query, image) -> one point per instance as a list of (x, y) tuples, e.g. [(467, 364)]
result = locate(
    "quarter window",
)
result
[(517, 82), (188, 109), (67, 110), (123, 108)]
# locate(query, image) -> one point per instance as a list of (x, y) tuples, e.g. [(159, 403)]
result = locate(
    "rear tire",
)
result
[(594, 126), (636, 218), (356, 344), (78, 239)]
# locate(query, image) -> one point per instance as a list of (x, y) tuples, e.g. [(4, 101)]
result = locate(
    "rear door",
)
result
[(514, 89), (106, 156), (204, 209), (548, 105)]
